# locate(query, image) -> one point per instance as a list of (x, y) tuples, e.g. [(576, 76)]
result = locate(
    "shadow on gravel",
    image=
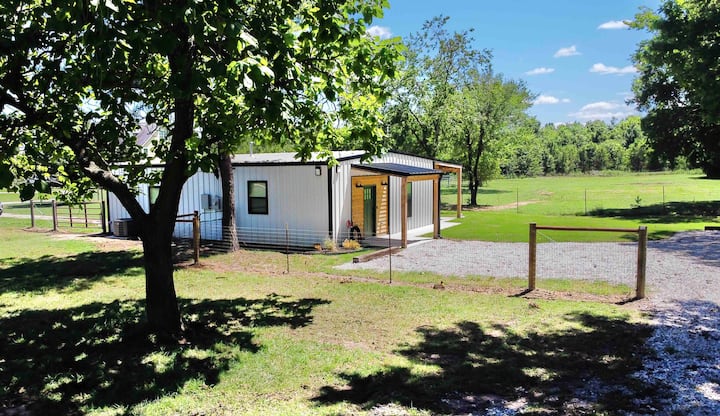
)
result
[(702, 246), (684, 360), (584, 367)]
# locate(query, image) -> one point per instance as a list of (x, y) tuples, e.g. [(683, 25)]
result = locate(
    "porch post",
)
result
[(403, 212), (436, 207), (458, 173)]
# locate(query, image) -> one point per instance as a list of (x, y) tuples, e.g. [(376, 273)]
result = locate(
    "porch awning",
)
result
[(397, 169)]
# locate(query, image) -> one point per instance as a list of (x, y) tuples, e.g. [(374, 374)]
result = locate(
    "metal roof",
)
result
[(291, 157), (397, 169)]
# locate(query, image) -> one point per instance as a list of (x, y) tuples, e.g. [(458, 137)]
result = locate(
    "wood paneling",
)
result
[(381, 202)]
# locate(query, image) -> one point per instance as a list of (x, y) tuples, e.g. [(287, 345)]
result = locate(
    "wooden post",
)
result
[(641, 262), (102, 216), (70, 215), (459, 192), (32, 214), (196, 237), (436, 208), (85, 213), (532, 249), (54, 215), (403, 213)]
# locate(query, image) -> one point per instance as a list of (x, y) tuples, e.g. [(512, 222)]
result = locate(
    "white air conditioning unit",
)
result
[(121, 227)]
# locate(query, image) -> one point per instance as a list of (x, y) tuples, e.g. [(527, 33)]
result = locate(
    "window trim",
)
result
[(250, 198)]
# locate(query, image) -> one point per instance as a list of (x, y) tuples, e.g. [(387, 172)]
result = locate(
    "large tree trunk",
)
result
[(473, 188), (163, 314), (229, 224)]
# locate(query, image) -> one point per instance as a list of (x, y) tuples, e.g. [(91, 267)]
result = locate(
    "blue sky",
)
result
[(574, 54)]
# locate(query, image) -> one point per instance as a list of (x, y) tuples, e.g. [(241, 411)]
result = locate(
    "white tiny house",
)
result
[(280, 200)]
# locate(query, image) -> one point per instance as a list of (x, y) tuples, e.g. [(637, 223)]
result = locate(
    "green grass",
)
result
[(260, 341), (690, 202)]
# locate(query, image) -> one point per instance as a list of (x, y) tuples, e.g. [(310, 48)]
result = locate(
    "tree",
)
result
[(437, 64), (485, 108), (77, 78), (678, 81)]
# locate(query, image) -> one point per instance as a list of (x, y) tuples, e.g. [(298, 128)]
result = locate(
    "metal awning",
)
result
[(397, 169)]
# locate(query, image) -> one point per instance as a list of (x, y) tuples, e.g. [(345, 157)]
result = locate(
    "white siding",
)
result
[(199, 184), (296, 198), (422, 193), (342, 199)]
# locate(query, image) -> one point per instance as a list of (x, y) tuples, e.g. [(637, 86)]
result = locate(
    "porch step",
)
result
[(375, 254)]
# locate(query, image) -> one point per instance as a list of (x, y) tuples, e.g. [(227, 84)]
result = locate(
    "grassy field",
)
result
[(261, 341), (665, 202)]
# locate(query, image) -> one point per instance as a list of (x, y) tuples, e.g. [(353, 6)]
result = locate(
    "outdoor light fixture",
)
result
[(383, 183), (318, 171)]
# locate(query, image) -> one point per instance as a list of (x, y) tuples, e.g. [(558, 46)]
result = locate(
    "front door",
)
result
[(369, 213)]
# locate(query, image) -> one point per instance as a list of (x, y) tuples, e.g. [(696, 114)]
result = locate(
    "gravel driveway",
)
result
[(683, 287)]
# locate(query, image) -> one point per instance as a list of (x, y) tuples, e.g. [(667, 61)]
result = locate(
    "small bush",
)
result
[(351, 244), (330, 244)]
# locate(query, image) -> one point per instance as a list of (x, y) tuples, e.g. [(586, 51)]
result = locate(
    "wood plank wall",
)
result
[(382, 201)]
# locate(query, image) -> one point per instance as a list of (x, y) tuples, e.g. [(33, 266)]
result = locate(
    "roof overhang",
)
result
[(396, 169)]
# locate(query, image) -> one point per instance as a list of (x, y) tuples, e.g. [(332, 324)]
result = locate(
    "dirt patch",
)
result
[(103, 243)]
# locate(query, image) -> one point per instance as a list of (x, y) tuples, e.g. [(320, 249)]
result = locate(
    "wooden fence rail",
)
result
[(641, 253)]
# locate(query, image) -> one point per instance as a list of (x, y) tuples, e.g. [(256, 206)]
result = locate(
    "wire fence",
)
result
[(617, 263), (627, 199)]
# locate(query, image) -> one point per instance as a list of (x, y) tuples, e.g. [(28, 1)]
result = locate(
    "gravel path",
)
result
[(683, 278)]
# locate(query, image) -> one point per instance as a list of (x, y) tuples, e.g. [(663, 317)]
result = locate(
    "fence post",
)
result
[(532, 250), (102, 216), (85, 213), (54, 215), (196, 237), (70, 215), (32, 214), (642, 261)]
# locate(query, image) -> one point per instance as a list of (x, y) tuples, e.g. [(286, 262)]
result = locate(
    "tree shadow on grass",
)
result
[(670, 213), (76, 272), (476, 368), (99, 355)]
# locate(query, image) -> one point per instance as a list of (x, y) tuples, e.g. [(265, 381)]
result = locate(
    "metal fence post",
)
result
[(642, 261), (102, 216), (532, 257)]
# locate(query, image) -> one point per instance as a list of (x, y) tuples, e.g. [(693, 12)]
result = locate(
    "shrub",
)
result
[(351, 244)]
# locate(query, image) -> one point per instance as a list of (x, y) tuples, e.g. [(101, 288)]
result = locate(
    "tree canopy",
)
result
[(79, 78), (678, 83)]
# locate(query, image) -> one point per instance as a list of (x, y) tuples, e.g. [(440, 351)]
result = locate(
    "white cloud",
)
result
[(540, 71), (380, 31), (549, 99), (564, 52), (605, 70), (603, 110), (614, 24)]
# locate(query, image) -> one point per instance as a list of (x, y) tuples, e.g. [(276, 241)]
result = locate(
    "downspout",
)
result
[(330, 202)]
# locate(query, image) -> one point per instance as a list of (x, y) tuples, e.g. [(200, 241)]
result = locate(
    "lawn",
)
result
[(664, 202), (262, 341)]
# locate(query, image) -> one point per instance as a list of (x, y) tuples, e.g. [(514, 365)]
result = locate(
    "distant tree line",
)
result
[(531, 150)]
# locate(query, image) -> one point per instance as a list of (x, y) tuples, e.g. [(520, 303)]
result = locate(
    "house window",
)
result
[(153, 192), (409, 199), (257, 197)]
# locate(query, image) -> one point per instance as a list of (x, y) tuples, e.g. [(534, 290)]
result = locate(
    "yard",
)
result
[(666, 202), (319, 340), (260, 341)]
